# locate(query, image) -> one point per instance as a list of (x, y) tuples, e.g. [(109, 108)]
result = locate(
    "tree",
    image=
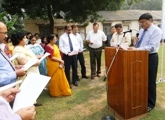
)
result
[(80, 11), (12, 22), (145, 5)]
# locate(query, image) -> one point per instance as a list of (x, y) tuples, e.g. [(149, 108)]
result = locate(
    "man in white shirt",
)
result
[(6, 112), (69, 46), (118, 39), (80, 56), (95, 40)]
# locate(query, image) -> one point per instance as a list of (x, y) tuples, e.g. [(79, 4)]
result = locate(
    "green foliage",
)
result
[(144, 5), (79, 11)]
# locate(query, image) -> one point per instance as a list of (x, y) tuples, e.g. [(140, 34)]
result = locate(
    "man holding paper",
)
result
[(6, 112), (95, 39), (68, 45), (80, 56), (8, 73)]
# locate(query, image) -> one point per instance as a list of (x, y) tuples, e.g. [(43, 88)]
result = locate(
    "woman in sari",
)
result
[(58, 85), (39, 52)]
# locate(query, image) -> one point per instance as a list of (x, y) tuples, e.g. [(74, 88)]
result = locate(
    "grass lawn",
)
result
[(88, 100)]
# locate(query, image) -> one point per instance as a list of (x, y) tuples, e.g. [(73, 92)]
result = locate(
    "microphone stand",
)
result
[(109, 117), (117, 49)]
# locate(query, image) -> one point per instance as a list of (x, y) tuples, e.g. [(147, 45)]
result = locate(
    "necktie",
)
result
[(70, 44), (7, 59), (139, 42)]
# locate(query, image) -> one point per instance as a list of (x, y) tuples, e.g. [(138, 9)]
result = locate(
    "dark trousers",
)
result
[(80, 58), (152, 74), (70, 61), (95, 59)]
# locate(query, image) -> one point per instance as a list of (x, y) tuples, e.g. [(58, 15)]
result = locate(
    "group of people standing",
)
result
[(70, 46)]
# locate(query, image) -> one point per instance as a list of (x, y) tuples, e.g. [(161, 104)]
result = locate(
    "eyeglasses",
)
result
[(5, 33)]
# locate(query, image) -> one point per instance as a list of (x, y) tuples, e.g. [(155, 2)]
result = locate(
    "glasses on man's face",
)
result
[(5, 33)]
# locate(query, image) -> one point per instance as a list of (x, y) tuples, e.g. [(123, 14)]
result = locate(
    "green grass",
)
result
[(88, 100)]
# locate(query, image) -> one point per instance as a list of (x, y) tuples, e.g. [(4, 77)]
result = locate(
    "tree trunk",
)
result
[(51, 19)]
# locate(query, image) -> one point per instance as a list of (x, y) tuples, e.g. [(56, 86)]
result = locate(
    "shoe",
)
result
[(98, 75), (92, 77), (75, 84), (85, 77), (78, 79), (37, 104), (149, 109)]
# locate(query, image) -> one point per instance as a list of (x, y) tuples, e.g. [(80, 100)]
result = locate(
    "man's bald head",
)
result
[(3, 32)]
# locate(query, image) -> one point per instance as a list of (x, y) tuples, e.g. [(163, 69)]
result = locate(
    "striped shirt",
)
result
[(6, 112)]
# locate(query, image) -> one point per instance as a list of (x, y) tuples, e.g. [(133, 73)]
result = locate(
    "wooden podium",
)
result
[(127, 82)]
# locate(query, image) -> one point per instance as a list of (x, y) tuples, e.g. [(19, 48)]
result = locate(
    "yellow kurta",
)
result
[(58, 85), (25, 52)]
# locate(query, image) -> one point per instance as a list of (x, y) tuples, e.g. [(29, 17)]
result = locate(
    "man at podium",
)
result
[(149, 39)]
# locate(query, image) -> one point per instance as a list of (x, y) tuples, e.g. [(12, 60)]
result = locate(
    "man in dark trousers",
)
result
[(80, 56), (95, 39), (149, 39), (68, 45)]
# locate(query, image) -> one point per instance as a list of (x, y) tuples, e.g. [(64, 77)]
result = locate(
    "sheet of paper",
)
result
[(45, 55), (10, 85), (82, 50), (124, 46), (30, 63), (73, 53), (31, 88), (14, 57)]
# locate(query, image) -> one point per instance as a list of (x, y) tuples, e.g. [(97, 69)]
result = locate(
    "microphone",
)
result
[(127, 31)]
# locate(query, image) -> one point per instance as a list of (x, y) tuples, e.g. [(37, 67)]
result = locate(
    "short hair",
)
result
[(66, 26), (37, 34), (119, 25), (28, 33), (95, 23), (146, 16), (113, 26), (17, 38), (74, 26)]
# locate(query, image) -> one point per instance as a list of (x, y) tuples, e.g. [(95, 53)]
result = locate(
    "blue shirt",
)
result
[(7, 72), (151, 39)]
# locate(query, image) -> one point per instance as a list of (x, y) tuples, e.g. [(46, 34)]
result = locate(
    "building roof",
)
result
[(128, 14)]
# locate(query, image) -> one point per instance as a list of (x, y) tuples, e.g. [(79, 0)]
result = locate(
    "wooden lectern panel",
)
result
[(127, 82)]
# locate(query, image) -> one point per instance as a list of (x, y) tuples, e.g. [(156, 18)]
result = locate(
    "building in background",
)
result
[(128, 18)]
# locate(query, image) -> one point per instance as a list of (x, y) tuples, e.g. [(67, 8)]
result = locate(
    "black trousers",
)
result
[(152, 74), (95, 59), (70, 61), (80, 58)]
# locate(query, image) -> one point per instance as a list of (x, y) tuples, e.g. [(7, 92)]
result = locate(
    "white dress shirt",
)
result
[(80, 41), (64, 45), (117, 39), (96, 38), (151, 39), (6, 112)]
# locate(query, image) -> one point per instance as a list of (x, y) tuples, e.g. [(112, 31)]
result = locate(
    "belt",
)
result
[(153, 54)]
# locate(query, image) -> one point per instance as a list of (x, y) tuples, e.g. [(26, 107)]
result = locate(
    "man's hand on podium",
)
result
[(132, 48)]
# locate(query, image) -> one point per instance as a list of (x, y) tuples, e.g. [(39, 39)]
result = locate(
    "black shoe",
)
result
[(92, 77), (98, 75), (37, 104), (75, 84), (149, 109), (85, 77)]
